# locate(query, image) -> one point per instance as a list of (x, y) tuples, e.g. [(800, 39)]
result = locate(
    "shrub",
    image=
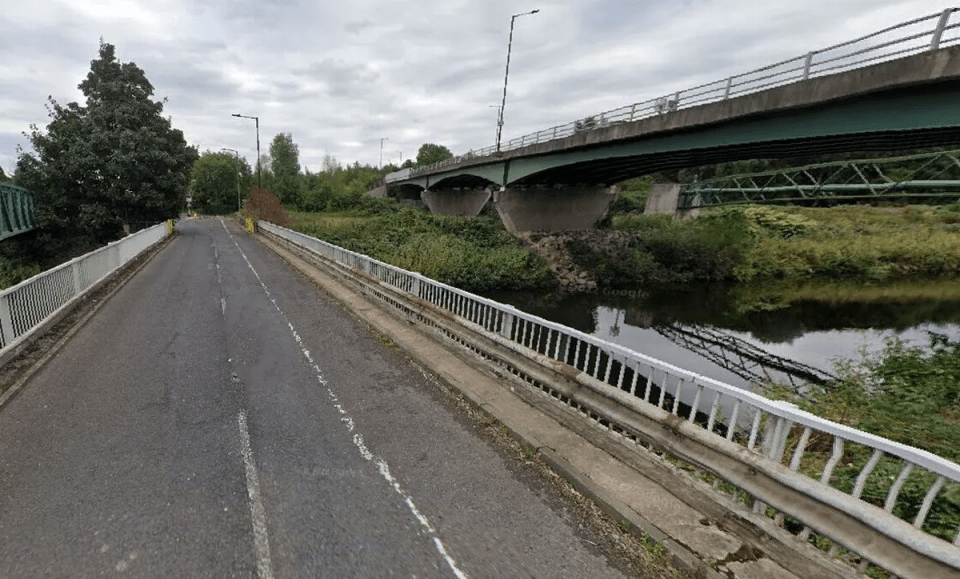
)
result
[(263, 205)]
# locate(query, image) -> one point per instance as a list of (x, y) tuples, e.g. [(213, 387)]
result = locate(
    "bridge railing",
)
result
[(27, 305), (907, 38), (758, 432)]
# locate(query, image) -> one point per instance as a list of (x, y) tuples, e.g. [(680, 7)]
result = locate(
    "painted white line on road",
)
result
[(381, 465), (261, 544)]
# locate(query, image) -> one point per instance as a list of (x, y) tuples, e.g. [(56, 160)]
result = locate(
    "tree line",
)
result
[(217, 177)]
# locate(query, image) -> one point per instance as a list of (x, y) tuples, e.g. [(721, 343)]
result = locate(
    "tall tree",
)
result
[(285, 166), (114, 160), (218, 180), (430, 153)]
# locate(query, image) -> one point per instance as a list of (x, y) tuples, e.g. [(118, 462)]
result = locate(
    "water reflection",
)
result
[(743, 335)]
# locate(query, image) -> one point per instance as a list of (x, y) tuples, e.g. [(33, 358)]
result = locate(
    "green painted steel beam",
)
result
[(17, 210), (912, 116)]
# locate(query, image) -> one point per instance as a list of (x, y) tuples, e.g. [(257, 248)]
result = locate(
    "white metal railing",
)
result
[(927, 33), (761, 425), (28, 304)]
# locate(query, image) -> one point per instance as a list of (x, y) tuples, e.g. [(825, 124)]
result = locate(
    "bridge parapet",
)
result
[(926, 34), (29, 306), (757, 446)]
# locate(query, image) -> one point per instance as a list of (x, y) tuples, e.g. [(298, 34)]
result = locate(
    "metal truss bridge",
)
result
[(16, 210), (926, 175)]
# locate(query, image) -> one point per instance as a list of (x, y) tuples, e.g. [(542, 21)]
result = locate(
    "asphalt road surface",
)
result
[(220, 418)]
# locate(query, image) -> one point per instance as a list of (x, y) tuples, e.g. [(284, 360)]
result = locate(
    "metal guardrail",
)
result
[(927, 33), (925, 175), (28, 304), (16, 210), (770, 432)]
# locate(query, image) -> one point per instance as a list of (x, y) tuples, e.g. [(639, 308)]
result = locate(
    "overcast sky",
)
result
[(340, 75)]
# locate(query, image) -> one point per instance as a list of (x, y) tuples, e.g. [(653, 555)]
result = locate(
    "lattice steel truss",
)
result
[(16, 210), (741, 357), (926, 175)]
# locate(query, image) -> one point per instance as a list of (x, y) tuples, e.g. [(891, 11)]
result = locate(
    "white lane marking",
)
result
[(381, 464), (261, 544)]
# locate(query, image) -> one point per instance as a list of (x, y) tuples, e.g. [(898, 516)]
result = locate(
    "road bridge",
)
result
[(236, 422), (895, 89)]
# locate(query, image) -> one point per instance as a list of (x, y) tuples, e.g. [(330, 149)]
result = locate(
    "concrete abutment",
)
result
[(566, 208), (456, 202)]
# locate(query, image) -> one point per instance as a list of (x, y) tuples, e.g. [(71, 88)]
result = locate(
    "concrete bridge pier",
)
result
[(378, 191), (456, 202), (563, 208), (664, 198)]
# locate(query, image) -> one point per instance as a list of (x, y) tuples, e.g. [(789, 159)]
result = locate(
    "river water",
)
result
[(740, 336)]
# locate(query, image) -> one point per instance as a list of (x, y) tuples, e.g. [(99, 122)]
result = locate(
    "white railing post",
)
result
[(806, 65), (938, 32), (726, 92), (6, 322), (506, 328), (77, 278)]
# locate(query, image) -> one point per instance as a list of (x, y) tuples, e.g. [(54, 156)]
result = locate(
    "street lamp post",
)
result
[(498, 121), (237, 154), (382, 139), (503, 104), (257, 119)]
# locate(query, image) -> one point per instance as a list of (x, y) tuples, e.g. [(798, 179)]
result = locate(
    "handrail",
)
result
[(813, 64)]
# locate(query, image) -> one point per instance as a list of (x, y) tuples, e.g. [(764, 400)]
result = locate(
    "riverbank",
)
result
[(746, 245)]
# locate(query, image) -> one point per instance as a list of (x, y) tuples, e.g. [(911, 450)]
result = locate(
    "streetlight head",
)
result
[(535, 11), (235, 115)]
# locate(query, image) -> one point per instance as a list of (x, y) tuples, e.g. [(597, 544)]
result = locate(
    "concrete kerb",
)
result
[(125, 273), (680, 556)]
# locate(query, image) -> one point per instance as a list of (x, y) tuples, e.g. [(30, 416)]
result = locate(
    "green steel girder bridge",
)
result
[(16, 210), (925, 176), (896, 89)]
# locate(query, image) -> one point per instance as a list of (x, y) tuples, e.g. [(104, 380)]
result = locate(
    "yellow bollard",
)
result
[(251, 225), (169, 226)]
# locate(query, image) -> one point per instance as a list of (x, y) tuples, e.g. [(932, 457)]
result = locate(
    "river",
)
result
[(741, 335)]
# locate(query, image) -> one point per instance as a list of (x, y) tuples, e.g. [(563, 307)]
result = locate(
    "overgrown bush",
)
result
[(264, 205), (663, 250), (474, 254), (907, 394)]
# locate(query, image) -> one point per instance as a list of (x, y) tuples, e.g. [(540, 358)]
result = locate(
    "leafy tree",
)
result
[(430, 153), (112, 161), (3, 176), (214, 186), (285, 166)]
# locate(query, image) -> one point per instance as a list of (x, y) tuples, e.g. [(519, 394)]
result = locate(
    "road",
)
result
[(221, 418)]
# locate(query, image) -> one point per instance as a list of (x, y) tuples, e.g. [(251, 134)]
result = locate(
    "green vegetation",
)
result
[(762, 243), (473, 254), (907, 394), (111, 162)]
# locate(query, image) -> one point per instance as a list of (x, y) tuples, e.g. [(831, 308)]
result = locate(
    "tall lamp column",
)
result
[(257, 119), (506, 75)]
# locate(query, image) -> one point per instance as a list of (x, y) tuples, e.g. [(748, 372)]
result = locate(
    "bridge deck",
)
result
[(183, 432)]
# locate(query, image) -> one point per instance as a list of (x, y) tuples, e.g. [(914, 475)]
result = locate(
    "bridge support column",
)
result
[(564, 208), (456, 202), (663, 199)]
